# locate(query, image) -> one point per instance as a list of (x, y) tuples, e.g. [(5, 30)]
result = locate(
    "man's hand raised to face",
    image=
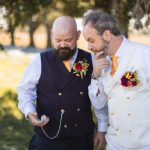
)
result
[(99, 64)]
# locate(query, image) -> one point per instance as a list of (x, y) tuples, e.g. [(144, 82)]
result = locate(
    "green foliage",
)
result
[(1, 47), (15, 130), (35, 12)]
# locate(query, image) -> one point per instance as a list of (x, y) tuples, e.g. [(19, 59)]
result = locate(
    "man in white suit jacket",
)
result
[(127, 92)]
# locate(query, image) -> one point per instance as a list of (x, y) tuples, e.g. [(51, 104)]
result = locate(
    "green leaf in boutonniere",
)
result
[(80, 68)]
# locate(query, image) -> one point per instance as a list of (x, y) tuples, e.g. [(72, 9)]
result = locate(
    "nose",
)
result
[(63, 44), (90, 47)]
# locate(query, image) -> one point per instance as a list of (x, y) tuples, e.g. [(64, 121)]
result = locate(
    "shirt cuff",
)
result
[(29, 109), (102, 127), (94, 86)]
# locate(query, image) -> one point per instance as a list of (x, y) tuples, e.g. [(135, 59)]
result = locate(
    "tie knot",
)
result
[(114, 58), (114, 64), (67, 65)]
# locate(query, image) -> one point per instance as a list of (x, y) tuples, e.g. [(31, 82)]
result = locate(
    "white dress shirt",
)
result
[(28, 87), (101, 100)]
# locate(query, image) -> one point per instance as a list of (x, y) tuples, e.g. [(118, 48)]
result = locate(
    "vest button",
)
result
[(62, 110), (81, 93), (75, 125), (65, 126), (117, 129), (59, 93), (78, 109)]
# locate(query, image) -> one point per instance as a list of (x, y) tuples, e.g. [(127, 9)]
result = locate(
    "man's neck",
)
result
[(115, 44)]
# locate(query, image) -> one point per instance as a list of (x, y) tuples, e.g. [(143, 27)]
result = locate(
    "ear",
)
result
[(107, 35), (78, 34)]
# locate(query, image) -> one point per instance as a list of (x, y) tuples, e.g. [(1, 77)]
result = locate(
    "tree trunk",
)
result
[(31, 32), (12, 30), (123, 21), (123, 25), (48, 29)]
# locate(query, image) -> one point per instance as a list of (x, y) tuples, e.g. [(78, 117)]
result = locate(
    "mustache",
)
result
[(64, 48), (65, 53)]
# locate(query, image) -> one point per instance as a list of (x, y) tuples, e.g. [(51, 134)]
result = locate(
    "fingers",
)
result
[(102, 62), (100, 141), (95, 141), (100, 146), (36, 121), (99, 65), (99, 54)]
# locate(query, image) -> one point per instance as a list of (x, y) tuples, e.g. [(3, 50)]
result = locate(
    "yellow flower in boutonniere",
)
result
[(80, 68), (130, 79)]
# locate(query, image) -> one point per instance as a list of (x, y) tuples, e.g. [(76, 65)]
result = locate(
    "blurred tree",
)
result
[(23, 12), (56, 8), (12, 16), (47, 16), (1, 47), (30, 12), (36, 12), (124, 10), (142, 8)]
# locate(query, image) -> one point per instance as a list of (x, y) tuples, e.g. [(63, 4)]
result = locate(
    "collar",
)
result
[(74, 56), (122, 49)]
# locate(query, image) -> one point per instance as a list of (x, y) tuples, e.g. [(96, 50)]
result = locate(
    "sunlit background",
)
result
[(25, 31)]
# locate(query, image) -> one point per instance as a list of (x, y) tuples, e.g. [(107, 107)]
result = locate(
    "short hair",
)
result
[(101, 22)]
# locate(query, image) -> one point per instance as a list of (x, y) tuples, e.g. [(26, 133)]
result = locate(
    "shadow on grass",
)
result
[(24, 49), (15, 132)]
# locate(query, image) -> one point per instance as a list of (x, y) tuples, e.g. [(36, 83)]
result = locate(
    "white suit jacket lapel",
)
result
[(122, 67), (110, 82)]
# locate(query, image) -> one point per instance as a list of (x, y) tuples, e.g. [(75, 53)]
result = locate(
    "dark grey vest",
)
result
[(59, 89)]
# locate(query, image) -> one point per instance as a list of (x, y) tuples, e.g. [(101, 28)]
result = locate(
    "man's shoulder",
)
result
[(138, 49), (138, 46), (47, 52)]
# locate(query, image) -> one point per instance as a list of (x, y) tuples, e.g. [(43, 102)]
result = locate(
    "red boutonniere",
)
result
[(80, 68), (130, 79)]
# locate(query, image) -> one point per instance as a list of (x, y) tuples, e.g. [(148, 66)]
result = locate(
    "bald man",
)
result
[(57, 80)]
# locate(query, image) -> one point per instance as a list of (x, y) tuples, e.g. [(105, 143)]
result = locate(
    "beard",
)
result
[(65, 53), (105, 48)]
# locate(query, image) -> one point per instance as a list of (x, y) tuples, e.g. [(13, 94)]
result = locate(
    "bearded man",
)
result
[(58, 81)]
